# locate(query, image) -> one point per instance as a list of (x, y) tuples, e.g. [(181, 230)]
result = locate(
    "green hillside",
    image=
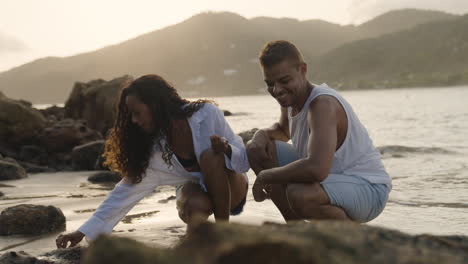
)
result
[(208, 54), (433, 54)]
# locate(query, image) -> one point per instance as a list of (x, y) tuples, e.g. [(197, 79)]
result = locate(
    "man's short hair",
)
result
[(277, 51)]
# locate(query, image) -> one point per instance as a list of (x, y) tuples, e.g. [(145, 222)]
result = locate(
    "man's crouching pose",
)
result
[(332, 169)]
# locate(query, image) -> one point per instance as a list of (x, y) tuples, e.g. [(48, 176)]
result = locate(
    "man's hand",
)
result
[(74, 238), (219, 144), (260, 190), (261, 145)]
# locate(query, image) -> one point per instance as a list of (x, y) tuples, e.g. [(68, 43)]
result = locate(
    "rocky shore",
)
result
[(69, 138), (315, 242)]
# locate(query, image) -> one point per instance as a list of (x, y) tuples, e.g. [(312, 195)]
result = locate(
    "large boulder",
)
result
[(31, 219), (66, 134), (10, 170), (19, 122), (85, 157), (34, 168), (95, 102), (33, 154), (315, 242)]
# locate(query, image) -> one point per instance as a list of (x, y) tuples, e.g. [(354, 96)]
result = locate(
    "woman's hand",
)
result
[(74, 238), (219, 144)]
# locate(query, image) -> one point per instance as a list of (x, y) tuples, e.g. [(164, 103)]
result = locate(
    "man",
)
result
[(331, 170)]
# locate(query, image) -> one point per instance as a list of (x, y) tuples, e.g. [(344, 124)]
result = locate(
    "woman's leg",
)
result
[(226, 188), (193, 204)]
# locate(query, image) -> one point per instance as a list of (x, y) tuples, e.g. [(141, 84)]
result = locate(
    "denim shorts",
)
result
[(360, 199)]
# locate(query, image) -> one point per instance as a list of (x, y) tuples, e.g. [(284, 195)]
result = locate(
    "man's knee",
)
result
[(257, 159), (302, 198)]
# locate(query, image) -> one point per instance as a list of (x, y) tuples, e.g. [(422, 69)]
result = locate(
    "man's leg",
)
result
[(226, 188), (277, 192), (310, 201)]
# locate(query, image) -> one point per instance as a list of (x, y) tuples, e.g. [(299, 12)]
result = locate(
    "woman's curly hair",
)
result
[(128, 147)]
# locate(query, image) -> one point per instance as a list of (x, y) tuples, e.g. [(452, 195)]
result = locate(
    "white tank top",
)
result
[(357, 155)]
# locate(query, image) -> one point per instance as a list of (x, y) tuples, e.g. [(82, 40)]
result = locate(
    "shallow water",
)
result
[(421, 132)]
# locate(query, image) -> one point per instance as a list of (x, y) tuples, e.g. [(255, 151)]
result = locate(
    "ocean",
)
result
[(423, 135), (421, 131)]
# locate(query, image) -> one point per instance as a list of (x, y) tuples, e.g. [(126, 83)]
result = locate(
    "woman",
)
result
[(161, 139)]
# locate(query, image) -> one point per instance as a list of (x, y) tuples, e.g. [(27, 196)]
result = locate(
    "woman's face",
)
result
[(140, 113)]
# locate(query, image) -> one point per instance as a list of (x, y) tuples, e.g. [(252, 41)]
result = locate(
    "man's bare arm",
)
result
[(323, 122)]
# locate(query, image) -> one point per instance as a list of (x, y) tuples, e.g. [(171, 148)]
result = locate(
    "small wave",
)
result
[(431, 204), (397, 151)]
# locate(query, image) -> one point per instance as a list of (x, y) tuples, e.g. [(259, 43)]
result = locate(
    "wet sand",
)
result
[(154, 221)]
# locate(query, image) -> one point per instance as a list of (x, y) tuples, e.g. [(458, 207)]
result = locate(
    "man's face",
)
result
[(285, 81)]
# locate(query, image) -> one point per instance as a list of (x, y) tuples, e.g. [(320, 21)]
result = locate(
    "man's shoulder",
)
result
[(324, 103)]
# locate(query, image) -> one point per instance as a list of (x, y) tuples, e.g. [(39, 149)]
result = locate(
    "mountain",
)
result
[(208, 54), (432, 54)]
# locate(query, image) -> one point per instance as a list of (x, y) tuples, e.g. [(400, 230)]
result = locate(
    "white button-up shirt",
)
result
[(207, 121)]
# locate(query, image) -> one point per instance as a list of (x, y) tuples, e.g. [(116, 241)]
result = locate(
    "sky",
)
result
[(31, 29)]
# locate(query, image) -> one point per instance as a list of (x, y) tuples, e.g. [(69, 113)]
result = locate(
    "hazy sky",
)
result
[(31, 29)]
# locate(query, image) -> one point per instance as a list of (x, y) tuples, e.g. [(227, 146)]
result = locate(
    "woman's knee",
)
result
[(209, 159)]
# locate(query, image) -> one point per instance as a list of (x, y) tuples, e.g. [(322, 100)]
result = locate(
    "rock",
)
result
[(66, 134), (95, 102), (1, 194), (25, 103), (247, 135), (66, 255), (60, 161), (105, 176), (54, 113), (20, 123), (11, 170), (100, 162), (8, 151), (58, 256), (33, 168), (315, 242), (20, 257), (227, 113), (11, 160), (84, 157), (123, 250), (32, 153), (28, 219)]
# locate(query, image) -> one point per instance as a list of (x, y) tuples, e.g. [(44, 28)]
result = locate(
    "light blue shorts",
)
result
[(360, 199)]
